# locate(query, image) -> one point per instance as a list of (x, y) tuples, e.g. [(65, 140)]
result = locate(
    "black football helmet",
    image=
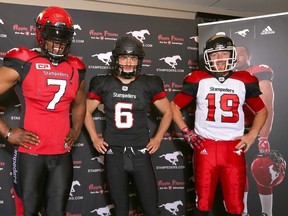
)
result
[(54, 24), (219, 43), (127, 45)]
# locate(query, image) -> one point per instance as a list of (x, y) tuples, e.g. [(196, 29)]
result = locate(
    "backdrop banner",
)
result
[(262, 46), (171, 52)]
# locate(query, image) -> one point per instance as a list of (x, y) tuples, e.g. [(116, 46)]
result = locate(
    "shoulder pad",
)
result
[(76, 62), (21, 53), (259, 69), (195, 76)]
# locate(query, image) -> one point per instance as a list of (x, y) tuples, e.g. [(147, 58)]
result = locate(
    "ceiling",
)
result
[(241, 8), (170, 8)]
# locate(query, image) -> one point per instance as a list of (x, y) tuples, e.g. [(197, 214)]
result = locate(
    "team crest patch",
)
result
[(221, 79), (124, 88)]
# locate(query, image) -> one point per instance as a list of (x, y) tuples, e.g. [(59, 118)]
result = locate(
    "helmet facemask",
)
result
[(54, 33), (56, 42), (216, 44), (211, 65), (136, 67)]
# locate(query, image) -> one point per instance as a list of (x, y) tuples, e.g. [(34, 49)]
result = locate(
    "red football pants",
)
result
[(220, 160)]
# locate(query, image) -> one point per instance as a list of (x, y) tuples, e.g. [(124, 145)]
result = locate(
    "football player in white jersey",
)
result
[(218, 137)]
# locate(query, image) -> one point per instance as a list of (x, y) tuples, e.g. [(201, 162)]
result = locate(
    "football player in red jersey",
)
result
[(265, 76), (127, 96), (50, 85), (218, 138)]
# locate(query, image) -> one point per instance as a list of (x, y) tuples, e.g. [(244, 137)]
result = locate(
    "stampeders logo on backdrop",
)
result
[(195, 40), (2, 35), (140, 35), (170, 40), (100, 160), (173, 160), (171, 61), (103, 211), (76, 38), (24, 30), (173, 207), (172, 87), (171, 185), (104, 57), (242, 32), (73, 191), (98, 189), (105, 35)]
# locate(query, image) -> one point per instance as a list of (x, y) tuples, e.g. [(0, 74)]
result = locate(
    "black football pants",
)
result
[(43, 182), (120, 164)]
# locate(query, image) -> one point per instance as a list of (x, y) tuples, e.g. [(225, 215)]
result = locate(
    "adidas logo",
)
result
[(109, 152), (268, 30), (204, 152)]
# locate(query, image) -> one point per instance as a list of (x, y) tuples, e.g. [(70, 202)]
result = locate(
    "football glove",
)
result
[(263, 145), (193, 139)]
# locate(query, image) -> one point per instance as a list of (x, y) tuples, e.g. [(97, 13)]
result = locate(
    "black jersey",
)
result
[(126, 107)]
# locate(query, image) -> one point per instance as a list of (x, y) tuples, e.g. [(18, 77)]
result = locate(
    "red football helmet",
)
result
[(54, 24), (268, 170)]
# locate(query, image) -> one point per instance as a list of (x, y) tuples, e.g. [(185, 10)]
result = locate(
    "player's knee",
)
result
[(204, 205), (235, 208)]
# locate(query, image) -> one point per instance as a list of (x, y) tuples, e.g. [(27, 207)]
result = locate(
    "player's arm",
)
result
[(78, 108), (261, 115), (163, 106), (268, 98), (8, 78), (181, 100), (98, 142)]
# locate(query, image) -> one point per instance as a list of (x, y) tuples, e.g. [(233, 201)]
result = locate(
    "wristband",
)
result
[(8, 134)]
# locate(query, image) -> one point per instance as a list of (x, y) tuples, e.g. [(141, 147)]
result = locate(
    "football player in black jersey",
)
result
[(127, 96)]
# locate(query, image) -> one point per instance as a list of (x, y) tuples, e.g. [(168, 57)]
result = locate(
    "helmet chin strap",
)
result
[(126, 75)]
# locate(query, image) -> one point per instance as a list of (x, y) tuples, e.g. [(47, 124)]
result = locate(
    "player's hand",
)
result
[(263, 145), (100, 145), (153, 145), (193, 139), (71, 138), (19, 136)]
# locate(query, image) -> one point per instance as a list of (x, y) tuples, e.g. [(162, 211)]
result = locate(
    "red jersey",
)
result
[(261, 71), (45, 92)]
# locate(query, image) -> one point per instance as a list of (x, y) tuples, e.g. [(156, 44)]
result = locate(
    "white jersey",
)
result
[(219, 104)]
